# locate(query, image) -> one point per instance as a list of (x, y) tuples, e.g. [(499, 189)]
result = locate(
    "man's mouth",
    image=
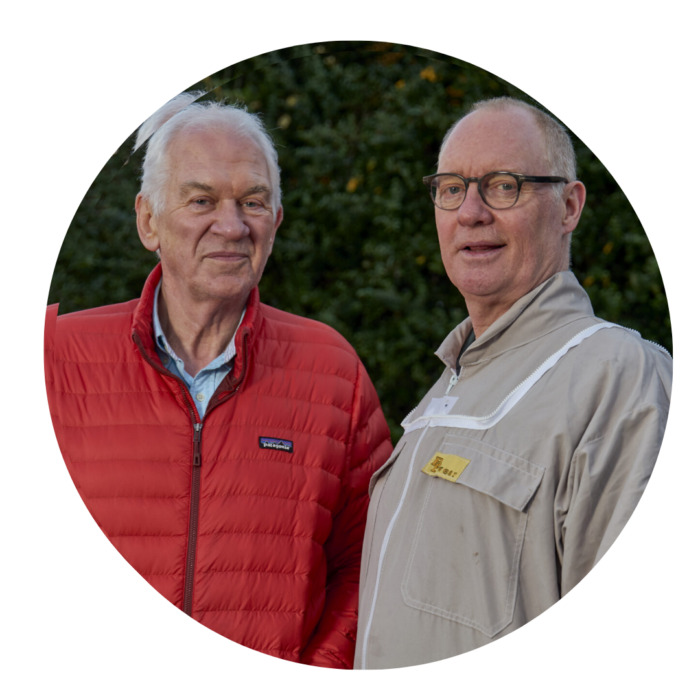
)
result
[(480, 252), (226, 255)]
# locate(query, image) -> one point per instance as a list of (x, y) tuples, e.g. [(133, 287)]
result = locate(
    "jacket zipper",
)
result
[(194, 518), (192, 529), (382, 552), (195, 491), (651, 342), (455, 377), (453, 380)]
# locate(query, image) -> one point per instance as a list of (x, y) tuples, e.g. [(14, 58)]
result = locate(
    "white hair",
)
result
[(183, 112), (560, 154)]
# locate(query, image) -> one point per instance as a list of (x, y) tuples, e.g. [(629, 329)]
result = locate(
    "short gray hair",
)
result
[(182, 112), (560, 154)]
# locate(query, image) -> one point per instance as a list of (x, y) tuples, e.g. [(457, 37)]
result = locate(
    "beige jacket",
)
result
[(533, 459)]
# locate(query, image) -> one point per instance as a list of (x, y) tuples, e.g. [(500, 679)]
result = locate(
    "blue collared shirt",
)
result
[(205, 383)]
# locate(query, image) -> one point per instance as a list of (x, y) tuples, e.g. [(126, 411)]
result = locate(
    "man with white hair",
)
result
[(223, 446), (523, 463)]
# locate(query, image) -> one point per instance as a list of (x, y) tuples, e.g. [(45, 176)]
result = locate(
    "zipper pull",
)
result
[(453, 381), (197, 439)]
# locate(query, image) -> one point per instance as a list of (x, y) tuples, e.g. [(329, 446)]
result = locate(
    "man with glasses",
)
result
[(523, 463)]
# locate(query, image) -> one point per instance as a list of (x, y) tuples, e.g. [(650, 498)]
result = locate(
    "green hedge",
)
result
[(357, 125)]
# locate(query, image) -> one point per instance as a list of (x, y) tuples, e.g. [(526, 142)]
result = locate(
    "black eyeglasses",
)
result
[(499, 190)]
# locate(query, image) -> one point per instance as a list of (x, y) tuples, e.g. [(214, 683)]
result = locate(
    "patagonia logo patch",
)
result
[(276, 444)]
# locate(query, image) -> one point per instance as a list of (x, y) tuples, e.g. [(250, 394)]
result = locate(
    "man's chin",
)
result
[(225, 290), (478, 286)]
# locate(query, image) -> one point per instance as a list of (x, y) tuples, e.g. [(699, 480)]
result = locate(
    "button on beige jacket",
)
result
[(546, 440)]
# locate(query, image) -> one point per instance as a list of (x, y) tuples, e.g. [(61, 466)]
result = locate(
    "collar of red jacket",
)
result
[(142, 322)]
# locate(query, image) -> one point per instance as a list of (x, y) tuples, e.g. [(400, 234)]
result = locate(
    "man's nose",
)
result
[(230, 221), (473, 211)]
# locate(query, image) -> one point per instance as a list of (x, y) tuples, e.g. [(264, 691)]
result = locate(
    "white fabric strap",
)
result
[(484, 422)]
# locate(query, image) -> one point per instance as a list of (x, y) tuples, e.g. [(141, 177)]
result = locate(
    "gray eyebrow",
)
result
[(194, 185), (190, 185), (257, 189)]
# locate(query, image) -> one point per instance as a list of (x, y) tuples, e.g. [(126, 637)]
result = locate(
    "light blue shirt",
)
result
[(205, 383)]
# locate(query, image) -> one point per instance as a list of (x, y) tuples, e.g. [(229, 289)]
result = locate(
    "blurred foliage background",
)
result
[(357, 125)]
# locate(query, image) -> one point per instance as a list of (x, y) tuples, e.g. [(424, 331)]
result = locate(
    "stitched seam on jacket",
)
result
[(282, 341), (515, 570), (305, 574), (303, 611), (313, 501), (295, 399), (73, 333), (110, 393), (495, 459), (527, 342), (221, 532), (223, 460), (497, 449), (257, 363), (146, 392), (90, 426), (264, 610), (258, 533), (94, 497), (353, 430), (225, 495), (285, 368), (244, 648)]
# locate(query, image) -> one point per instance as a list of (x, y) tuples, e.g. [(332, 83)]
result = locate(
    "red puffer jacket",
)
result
[(258, 540)]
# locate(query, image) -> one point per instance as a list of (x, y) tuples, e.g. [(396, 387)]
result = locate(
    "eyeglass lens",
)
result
[(498, 190)]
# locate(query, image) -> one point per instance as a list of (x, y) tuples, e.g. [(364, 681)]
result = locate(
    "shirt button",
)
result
[(200, 396)]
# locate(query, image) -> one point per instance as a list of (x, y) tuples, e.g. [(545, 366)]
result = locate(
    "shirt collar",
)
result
[(162, 342), (556, 302)]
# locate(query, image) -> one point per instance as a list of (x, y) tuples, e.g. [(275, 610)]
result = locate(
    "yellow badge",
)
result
[(445, 466)]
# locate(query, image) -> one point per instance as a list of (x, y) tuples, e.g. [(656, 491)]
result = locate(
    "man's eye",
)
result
[(252, 204), (201, 201)]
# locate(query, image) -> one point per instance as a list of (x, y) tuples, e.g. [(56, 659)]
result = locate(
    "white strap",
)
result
[(484, 422)]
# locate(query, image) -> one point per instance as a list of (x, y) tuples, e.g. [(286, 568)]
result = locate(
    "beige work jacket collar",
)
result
[(558, 301)]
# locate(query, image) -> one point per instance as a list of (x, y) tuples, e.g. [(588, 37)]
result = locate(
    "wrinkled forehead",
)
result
[(214, 148), (214, 142)]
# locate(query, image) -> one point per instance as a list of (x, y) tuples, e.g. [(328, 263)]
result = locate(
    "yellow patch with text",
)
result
[(445, 466)]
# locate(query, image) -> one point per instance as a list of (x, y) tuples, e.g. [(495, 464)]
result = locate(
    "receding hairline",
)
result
[(190, 130), (194, 129), (502, 110)]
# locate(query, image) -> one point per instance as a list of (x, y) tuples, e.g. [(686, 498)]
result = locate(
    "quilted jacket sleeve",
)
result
[(369, 446)]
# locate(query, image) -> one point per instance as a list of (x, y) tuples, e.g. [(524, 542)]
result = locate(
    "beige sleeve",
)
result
[(612, 479)]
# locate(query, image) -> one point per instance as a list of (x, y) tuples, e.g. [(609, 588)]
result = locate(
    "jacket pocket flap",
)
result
[(509, 479), (392, 458)]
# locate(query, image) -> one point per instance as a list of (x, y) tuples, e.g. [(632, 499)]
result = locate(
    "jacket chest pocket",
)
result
[(464, 562)]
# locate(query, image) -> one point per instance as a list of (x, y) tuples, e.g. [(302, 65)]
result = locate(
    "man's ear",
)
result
[(146, 224), (574, 199)]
